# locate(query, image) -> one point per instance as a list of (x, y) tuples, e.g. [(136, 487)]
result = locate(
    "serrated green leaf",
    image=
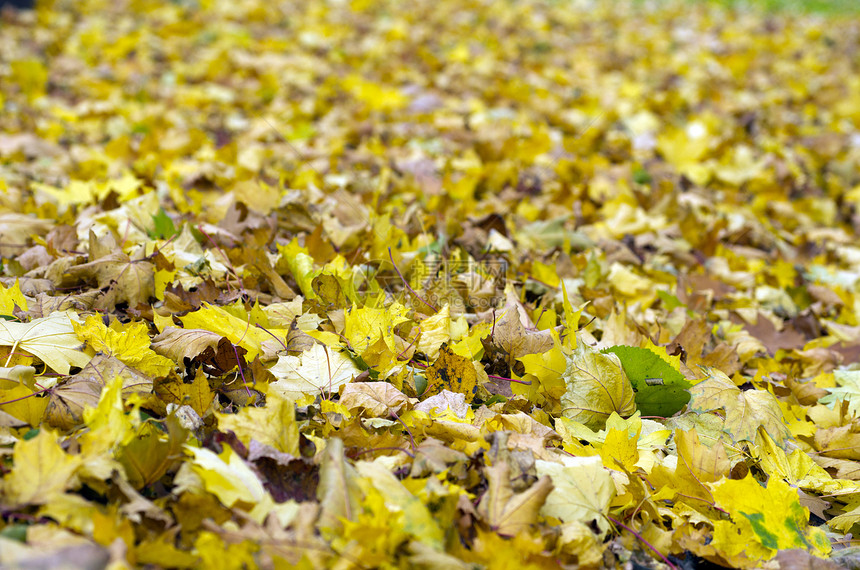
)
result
[(660, 389)]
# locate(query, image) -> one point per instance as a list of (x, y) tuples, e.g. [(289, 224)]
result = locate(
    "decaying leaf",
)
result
[(433, 284), (510, 513), (69, 399)]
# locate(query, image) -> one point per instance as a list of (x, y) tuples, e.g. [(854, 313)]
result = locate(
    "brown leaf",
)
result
[(128, 281), (68, 400), (764, 330), (510, 513), (373, 399), (178, 344), (195, 393)]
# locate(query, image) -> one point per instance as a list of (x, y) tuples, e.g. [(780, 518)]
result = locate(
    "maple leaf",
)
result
[(338, 492), (52, 339), (511, 336), (195, 393), (510, 513), (745, 411), (625, 203), (16, 229), (226, 476), (69, 399), (848, 390), (417, 519), (273, 425), (42, 471), (764, 520), (177, 344), (317, 370), (128, 343), (241, 331), (582, 490), (596, 386), (126, 280), (451, 371), (373, 399), (12, 297)]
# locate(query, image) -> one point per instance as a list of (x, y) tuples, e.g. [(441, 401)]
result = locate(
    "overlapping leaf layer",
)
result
[(442, 284)]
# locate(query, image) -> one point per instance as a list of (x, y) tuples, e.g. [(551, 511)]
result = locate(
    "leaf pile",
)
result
[(445, 284)]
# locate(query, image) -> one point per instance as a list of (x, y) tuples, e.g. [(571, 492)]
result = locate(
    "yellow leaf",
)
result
[(52, 339), (317, 370), (545, 372), (620, 450), (109, 426), (582, 490), (364, 327), (417, 519), (152, 452), (226, 476), (69, 399), (21, 403), (439, 329), (338, 492), (128, 343), (30, 75), (195, 393), (11, 297), (373, 399), (451, 372), (178, 344), (764, 520), (126, 280), (596, 387), (239, 331), (275, 424), (41, 472), (376, 96), (301, 265), (745, 411), (217, 554)]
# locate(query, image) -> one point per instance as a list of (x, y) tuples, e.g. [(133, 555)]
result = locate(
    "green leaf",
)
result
[(669, 301), (15, 532), (661, 390), (164, 227)]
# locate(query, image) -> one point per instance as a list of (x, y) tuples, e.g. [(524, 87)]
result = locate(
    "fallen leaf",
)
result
[(596, 386), (318, 370), (51, 339), (510, 513)]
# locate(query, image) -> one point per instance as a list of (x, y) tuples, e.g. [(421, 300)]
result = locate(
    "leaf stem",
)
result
[(25, 397), (405, 284), (493, 376), (643, 541)]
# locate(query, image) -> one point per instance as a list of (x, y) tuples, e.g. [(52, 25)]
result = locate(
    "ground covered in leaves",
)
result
[(441, 284)]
